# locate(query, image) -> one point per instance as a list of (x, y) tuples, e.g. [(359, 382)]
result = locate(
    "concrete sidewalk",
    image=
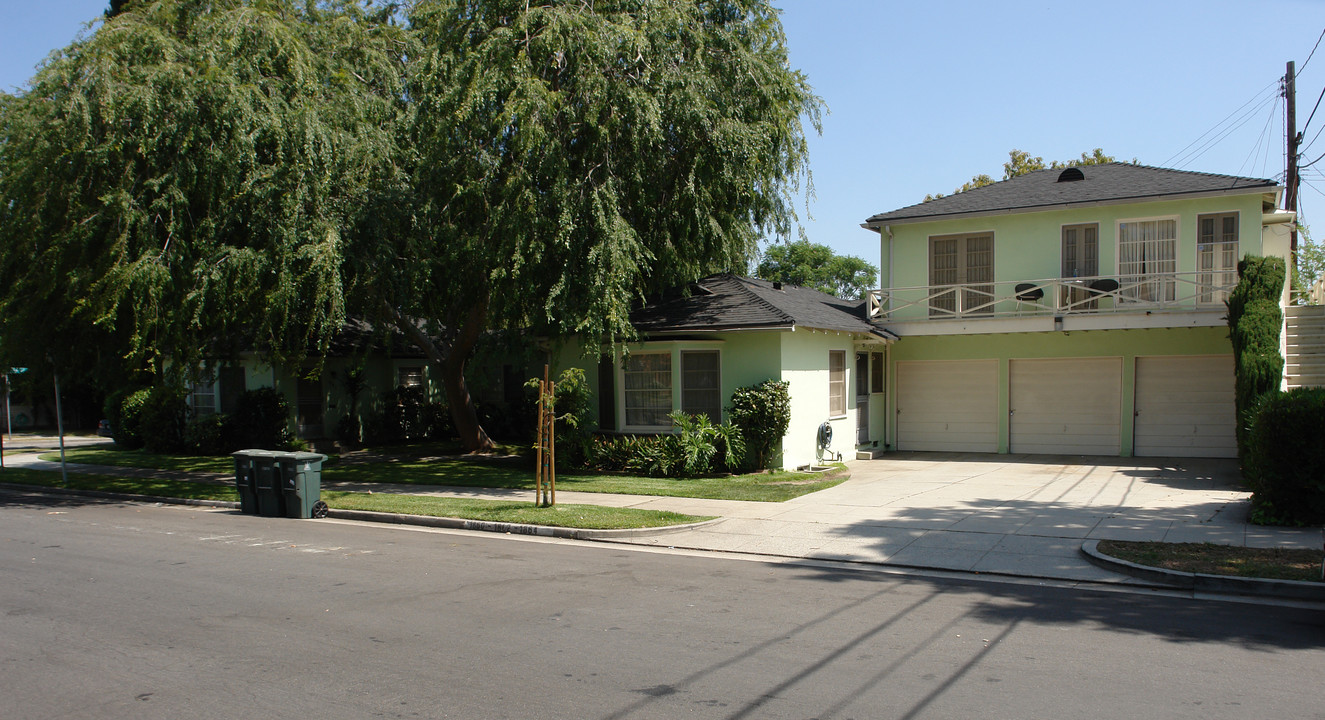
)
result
[(1007, 514)]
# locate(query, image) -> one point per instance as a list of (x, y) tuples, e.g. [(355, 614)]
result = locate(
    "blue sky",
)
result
[(922, 96)]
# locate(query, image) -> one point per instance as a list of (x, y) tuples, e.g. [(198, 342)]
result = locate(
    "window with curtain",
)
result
[(965, 260), (837, 382), (1148, 259), (647, 390), (1216, 256), (701, 392)]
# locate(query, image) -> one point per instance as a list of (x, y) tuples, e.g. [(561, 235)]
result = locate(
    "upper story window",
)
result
[(1216, 255), (837, 383), (961, 274), (1148, 259), (1081, 250)]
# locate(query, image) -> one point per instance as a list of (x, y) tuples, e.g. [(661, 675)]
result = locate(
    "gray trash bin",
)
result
[(301, 484), (267, 483), (246, 481)]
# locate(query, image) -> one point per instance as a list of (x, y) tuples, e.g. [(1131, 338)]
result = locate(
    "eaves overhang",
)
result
[(877, 222)]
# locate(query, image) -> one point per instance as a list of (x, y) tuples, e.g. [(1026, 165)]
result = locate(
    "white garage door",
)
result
[(1184, 407), (1070, 406), (948, 405)]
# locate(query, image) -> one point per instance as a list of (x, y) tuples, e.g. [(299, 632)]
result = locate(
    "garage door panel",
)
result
[(1185, 407), (1065, 406), (947, 406)]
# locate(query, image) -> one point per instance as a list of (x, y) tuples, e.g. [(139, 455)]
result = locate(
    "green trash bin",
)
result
[(267, 483), (246, 481), (301, 484)]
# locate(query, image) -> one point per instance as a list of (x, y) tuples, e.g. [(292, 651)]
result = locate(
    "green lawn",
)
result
[(144, 459), (421, 465), (1212, 559), (571, 516)]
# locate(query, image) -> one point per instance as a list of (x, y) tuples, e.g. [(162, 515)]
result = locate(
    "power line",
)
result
[(1262, 138), (1234, 120), (1313, 52)]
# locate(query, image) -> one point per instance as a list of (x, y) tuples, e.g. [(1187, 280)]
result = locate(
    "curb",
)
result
[(394, 518), (1202, 582)]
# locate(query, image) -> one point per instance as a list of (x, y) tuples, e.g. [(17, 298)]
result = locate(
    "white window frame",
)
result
[(1062, 247), (626, 392), (204, 390), (1222, 274), (1148, 283), (837, 385), (403, 371), (716, 415), (970, 293)]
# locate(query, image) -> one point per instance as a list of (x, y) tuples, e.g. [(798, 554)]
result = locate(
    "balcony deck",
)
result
[(1101, 302)]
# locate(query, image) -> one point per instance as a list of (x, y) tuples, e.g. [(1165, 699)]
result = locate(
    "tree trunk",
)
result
[(451, 361)]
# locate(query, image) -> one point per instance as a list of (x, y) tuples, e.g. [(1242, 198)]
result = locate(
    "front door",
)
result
[(862, 398)]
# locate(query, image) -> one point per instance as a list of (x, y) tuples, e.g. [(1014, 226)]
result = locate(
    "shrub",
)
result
[(163, 416), (209, 435), (261, 420), (124, 411), (1285, 463), (762, 413), (1254, 322)]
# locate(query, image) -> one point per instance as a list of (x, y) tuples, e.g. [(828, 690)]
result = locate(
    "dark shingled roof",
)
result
[(1040, 190), (731, 302)]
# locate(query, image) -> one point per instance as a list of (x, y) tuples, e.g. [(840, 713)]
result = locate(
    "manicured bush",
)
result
[(124, 410), (762, 413), (164, 416), (209, 435), (1285, 464), (699, 448), (1254, 322), (126, 426), (261, 420)]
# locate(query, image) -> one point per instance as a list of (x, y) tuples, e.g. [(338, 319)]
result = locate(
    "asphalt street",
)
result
[(114, 610)]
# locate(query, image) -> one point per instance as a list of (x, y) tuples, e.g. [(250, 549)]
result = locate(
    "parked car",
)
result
[(103, 429)]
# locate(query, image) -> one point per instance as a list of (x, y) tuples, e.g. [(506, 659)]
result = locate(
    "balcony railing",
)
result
[(1164, 292)]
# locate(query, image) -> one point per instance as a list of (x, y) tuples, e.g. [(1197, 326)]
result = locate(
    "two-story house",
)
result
[(1075, 311)]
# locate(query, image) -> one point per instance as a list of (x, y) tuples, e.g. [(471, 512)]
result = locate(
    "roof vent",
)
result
[(1071, 174), (777, 285)]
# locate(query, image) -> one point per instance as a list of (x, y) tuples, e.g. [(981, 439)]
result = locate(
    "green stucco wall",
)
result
[(1028, 246)]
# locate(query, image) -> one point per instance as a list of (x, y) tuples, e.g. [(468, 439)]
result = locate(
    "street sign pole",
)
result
[(59, 425)]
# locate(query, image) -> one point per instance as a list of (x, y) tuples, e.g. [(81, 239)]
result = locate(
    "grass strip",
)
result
[(1212, 559), (118, 457), (151, 487), (585, 517)]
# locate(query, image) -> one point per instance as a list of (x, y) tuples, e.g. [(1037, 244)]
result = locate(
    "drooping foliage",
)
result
[(576, 155), (185, 175)]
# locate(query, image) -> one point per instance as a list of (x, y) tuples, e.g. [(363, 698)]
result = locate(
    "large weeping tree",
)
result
[(186, 175), (572, 157)]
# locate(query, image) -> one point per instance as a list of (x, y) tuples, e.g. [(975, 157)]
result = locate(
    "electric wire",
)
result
[(1236, 124), (1217, 125), (1310, 54), (1261, 140)]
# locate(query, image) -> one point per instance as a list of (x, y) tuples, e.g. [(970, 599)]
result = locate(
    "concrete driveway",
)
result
[(1014, 514)]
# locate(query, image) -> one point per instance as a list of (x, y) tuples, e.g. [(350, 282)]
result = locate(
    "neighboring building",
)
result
[(725, 332), (1076, 311)]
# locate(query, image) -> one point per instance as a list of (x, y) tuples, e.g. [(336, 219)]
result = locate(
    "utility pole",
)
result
[(1290, 177)]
